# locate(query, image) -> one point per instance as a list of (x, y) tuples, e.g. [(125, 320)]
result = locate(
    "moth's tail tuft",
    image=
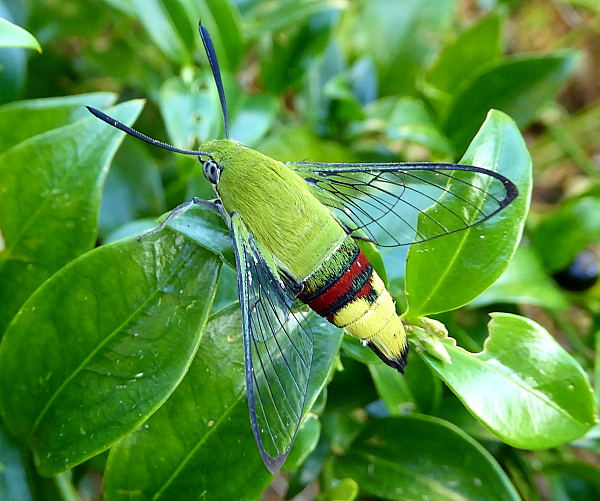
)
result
[(395, 362)]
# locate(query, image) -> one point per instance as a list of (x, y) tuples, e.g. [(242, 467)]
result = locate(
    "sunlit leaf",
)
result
[(115, 332), (524, 386), (446, 273), (12, 35)]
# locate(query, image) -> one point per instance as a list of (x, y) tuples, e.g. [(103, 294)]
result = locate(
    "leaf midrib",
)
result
[(106, 340)]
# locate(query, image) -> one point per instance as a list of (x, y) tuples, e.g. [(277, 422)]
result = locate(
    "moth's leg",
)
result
[(219, 209), (213, 205)]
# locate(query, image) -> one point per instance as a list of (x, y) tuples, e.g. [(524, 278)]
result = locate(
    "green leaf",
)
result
[(133, 189), (344, 490), (568, 478), (411, 121), (562, 234), (173, 28), (294, 144), (199, 435), (253, 118), (518, 86), (101, 345), (421, 457), (284, 56), (445, 273), (392, 389), (305, 442), (398, 34), (181, 99), (524, 282), (154, 16), (207, 229), (125, 7), (224, 23), (227, 292), (201, 441), (345, 106), (269, 17), (524, 386), (12, 35), (51, 186), (419, 390), (475, 47), (22, 120)]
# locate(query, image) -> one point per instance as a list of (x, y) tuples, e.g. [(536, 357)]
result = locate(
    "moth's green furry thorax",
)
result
[(276, 205)]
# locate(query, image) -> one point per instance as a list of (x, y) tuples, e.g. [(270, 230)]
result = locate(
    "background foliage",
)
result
[(135, 346)]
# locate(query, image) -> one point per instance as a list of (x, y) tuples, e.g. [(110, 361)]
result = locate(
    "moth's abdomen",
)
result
[(350, 294)]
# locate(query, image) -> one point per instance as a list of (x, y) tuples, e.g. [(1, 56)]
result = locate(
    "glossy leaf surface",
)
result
[(22, 120), (115, 331), (412, 457), (524, 386), (51, 186), (446, 273), (202, 433)]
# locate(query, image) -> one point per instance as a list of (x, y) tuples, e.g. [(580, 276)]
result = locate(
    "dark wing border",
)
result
[(375, 197)]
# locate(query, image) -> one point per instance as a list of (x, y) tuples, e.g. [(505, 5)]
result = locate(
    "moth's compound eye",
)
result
[(211, 171)]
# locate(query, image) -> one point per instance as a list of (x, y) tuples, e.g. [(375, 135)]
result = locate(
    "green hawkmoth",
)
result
[(295, 228)]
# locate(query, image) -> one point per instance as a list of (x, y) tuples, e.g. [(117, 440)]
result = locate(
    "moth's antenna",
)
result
[(214, 66), (139, 135)]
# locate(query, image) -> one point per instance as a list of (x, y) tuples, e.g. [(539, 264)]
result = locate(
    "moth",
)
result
[(295, 228)]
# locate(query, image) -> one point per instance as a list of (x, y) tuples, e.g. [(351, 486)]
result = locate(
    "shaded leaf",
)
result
[(154, 15), (191, 111), (207, 229), (524, 281), (51, 186), (410, 121), (567, 231), (398, 34), (518, 86), (412, 457), (305, 442), (254, 117), (173, 28), (475, 47), (269, 17), (133, 189)]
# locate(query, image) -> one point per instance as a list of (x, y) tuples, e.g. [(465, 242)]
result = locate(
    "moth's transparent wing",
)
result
[(278, 347), (386, 200)]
